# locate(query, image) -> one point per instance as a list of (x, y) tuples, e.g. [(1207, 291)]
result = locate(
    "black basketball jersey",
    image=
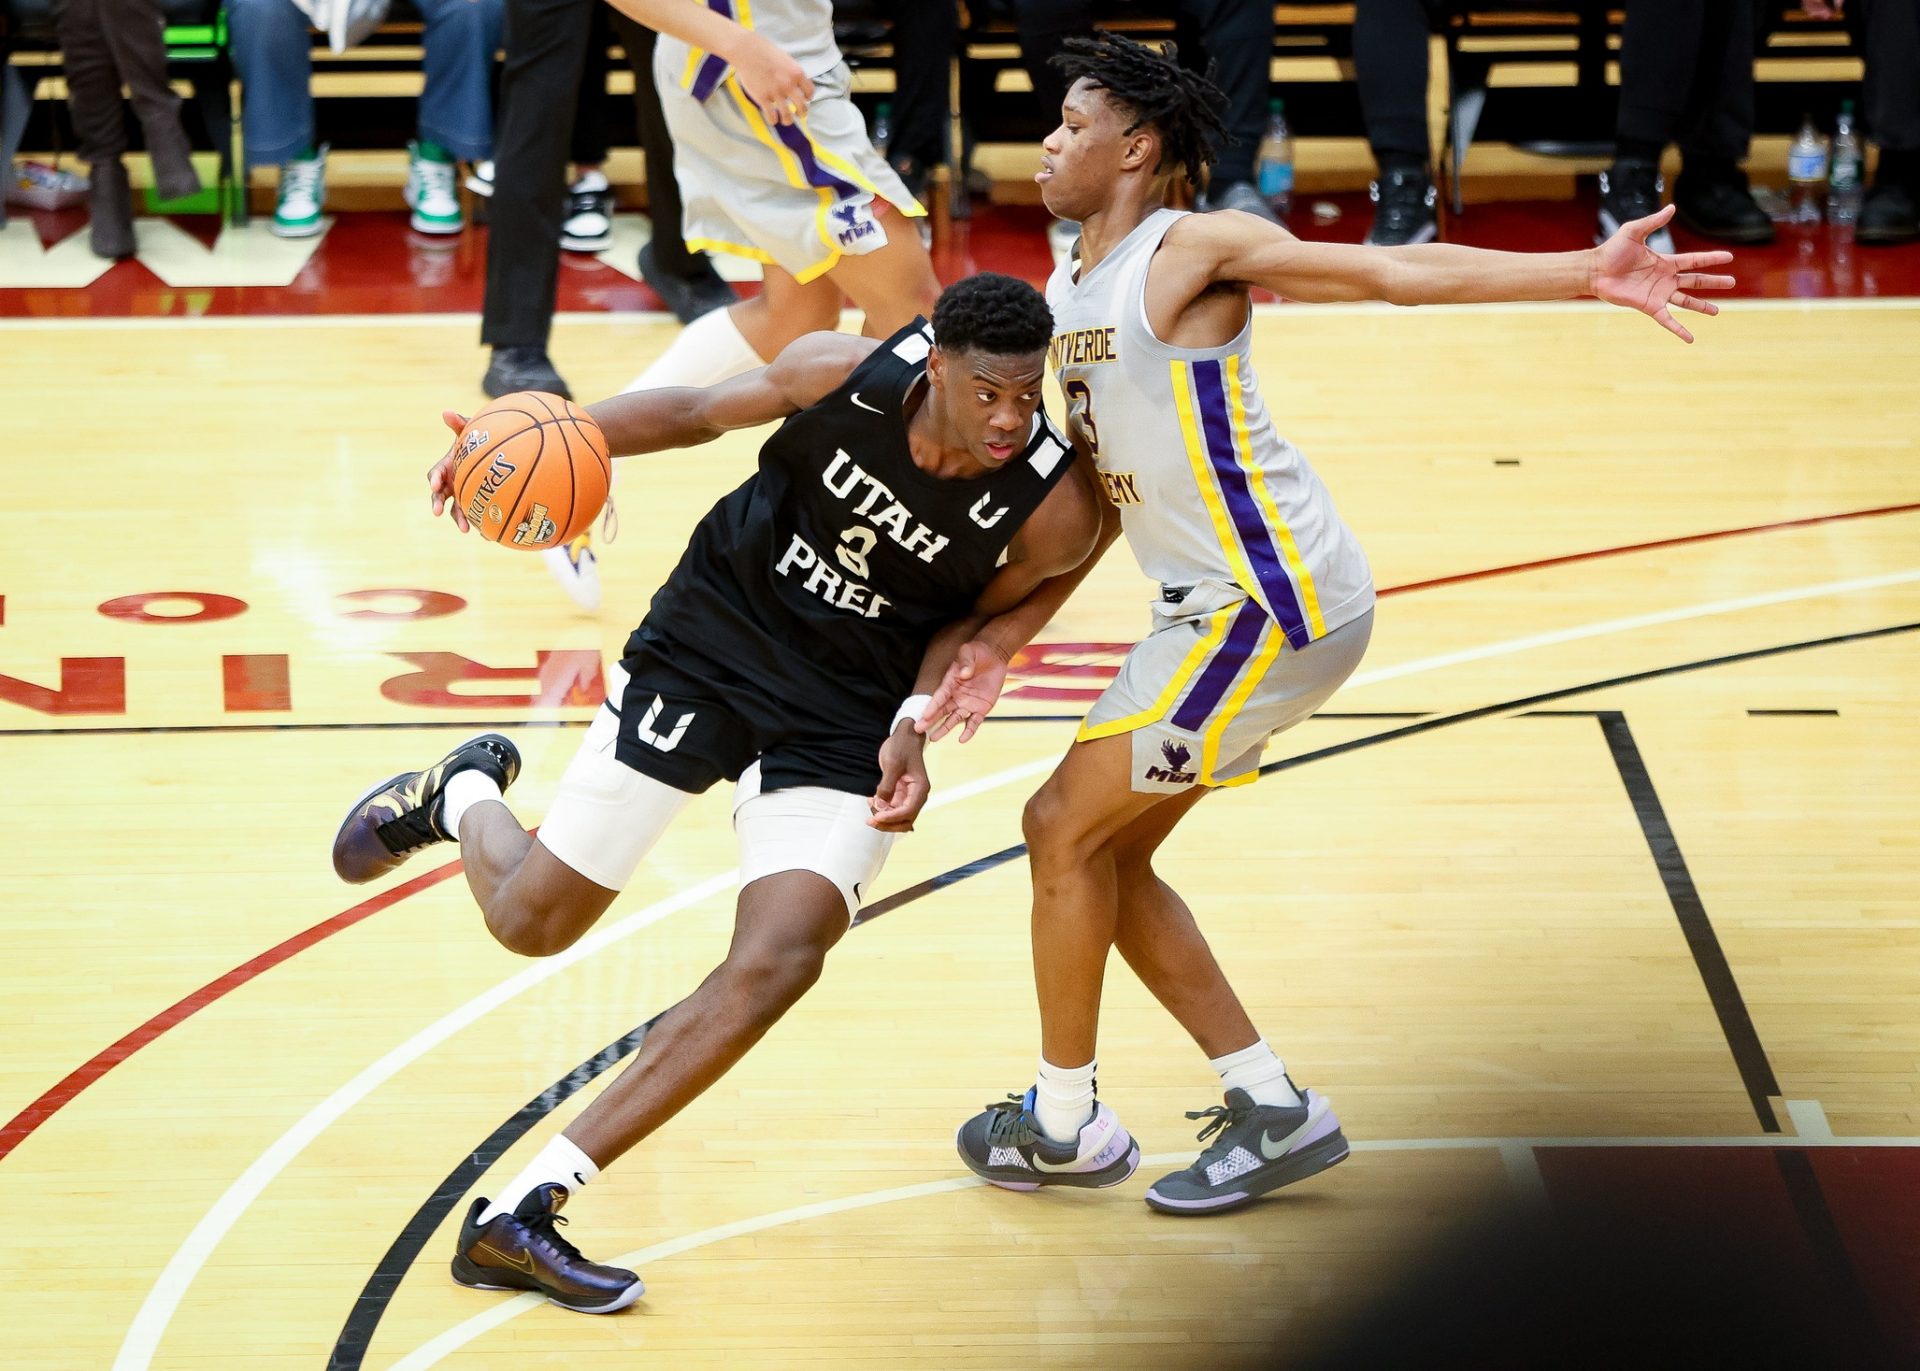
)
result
[(826, 574)]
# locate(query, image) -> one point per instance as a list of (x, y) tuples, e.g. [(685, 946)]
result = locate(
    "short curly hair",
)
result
[(1182, 106), (991, 313)]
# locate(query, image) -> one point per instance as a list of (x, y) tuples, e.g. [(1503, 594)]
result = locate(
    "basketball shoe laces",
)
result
[(1222, 1119), (303, 178), (436, 179), (544, 1227), (1011, 1125)]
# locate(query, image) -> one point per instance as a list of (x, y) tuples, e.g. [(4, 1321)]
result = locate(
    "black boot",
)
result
[(1891, 213), (174, 175), (1714, 201), (523, 368), (110, 202)]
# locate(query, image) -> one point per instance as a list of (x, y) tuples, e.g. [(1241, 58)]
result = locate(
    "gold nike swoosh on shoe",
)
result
[(523, 1262)]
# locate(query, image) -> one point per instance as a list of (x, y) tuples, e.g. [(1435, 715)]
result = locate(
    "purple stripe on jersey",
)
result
[(1219, 674), (816, 175), (707, 79), (1256, 538), (712, 69)]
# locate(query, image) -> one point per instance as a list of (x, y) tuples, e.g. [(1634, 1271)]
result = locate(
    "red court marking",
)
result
[(18, 1128), (1644, 547), (21, 1125)]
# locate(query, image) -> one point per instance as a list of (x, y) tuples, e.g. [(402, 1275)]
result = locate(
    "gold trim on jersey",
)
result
[(1250, 678), (1217, 625)]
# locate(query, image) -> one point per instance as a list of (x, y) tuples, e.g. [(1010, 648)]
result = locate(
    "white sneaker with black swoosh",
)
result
[(1259, 1147), (1003, 1144)]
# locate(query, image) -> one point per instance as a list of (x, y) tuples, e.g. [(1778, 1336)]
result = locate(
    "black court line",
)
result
[(1567, 692), (350, 1349), (869, 913), (1861, 1342), (121, 730), (1792, 713), (1729, 1006)]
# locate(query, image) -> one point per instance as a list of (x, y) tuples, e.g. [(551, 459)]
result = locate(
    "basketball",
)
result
[(533, 470)]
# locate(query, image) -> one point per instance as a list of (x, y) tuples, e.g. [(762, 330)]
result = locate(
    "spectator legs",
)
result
[(456, 108), (1237, 37), (1390, 46), (663, 192), (275, 65)]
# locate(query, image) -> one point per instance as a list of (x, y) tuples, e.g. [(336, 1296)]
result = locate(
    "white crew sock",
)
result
[(560, 1161), (1063, 1100), (1259, 1072), (706, 352), (464, 790)]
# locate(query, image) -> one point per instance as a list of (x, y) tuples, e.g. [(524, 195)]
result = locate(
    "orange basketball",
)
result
[(533, 470)]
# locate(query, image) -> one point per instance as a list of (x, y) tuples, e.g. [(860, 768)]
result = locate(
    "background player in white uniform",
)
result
[(913, 491), (1265, 607), (773, 163)]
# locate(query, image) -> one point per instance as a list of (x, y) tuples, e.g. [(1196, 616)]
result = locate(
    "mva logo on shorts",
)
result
[(855, 224), (1175, 772)]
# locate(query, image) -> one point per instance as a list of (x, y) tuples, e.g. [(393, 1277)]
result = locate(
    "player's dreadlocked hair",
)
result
[(994, 314), (1182, 105)]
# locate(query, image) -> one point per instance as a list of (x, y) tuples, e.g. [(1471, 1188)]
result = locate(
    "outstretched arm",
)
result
[(806, 371), (1230, 247)]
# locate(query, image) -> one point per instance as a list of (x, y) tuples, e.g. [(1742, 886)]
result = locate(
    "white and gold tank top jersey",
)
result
[(1207, 490), (803, 29)]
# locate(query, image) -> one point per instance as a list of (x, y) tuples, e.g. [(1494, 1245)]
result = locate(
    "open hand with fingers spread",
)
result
[(1627, 272)]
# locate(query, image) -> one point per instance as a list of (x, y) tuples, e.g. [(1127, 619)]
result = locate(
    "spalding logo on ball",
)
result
[(533, 470)]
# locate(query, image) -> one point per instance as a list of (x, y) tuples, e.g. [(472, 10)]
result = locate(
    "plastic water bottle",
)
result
[(1844, 177), (1275, 165), (1806, 173), (882, 128)]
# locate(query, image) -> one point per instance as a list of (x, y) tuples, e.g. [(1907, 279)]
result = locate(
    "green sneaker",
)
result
[(303, 193), (430, 191)]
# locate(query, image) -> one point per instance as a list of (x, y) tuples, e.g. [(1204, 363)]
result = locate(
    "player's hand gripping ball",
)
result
[(531, 471)]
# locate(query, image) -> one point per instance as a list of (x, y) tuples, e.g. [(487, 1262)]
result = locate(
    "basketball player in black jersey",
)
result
[(914, 491)]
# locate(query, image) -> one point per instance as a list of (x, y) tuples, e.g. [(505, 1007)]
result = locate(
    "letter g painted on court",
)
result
[(655, 740)]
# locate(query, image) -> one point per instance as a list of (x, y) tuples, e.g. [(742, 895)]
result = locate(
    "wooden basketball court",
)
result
[(1603, 865)]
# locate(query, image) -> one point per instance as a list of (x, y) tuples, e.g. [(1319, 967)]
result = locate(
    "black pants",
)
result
[(548, 43), (925, 34), (1686, 74), (1234, 36), (1390, 68), (1686, 77), (105, 43), (1888, 32)]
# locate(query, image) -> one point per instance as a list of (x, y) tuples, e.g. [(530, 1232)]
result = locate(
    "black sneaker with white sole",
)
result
[(588, 226), (1630, 189), (1003, 1144), (1403, 201), (401, 815), (1256, 1148), (524, 1251)]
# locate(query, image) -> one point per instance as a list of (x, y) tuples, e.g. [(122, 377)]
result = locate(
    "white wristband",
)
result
[(911, 708)]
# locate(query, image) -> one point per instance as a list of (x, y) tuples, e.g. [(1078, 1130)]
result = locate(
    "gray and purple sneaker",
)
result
[(1003, 1144), (1258, 1148)]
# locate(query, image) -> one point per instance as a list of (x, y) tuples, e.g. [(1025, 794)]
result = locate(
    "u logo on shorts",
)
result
[(655, 740)]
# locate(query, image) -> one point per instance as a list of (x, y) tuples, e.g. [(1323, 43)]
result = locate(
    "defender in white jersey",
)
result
[(1264, 608), (774, 164)]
